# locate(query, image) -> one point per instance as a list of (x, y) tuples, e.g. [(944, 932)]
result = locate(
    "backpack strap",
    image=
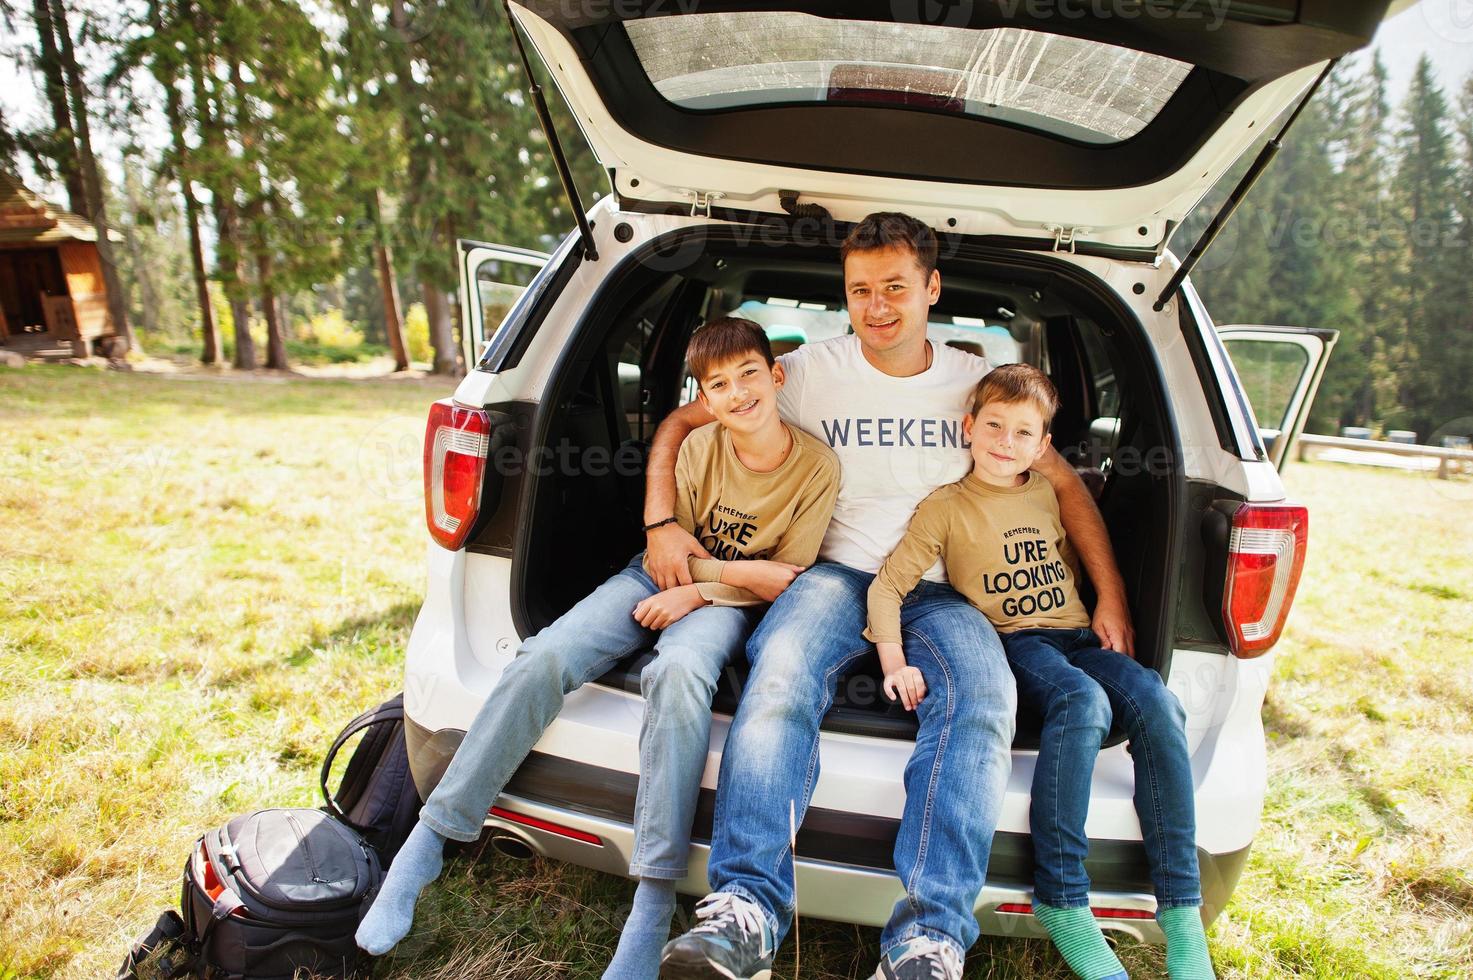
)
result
[(227, 903), (389, 712)]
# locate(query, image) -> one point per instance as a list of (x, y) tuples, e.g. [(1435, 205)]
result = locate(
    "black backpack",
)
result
[(265, 896), (377, 796)]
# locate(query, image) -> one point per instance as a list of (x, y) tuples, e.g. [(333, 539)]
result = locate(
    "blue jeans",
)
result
[(954, 782), (673, 737), (1079, 688)]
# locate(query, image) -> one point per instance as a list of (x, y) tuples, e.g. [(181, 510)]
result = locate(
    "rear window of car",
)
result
[(1078, 89)]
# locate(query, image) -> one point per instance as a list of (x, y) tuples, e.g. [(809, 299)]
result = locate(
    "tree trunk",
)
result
[(438, 313), (61, 116), (388, 287), (222, 193), (457, 337), (92, 180), (275, 343), (210, 352), (235, 287), (210, 335)]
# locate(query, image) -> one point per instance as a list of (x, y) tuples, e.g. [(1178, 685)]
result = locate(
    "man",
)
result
[(890, 404)]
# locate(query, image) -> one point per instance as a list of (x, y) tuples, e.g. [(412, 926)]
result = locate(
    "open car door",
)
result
[(1280, 370), (492, 277)]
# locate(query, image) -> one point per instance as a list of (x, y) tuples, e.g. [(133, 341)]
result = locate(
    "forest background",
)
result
[(294, 174)]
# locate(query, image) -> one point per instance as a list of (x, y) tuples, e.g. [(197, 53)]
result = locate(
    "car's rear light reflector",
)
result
[(456, 443), (552, 828), (1104, 912), (1099, 911), (1266, 549)]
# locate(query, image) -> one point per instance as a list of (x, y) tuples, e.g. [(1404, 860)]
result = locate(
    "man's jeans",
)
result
[(954, 782), (673, 738), (1079, 688)]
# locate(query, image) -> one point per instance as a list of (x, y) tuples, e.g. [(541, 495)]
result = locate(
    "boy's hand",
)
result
[(1111, 624), (663, 608), (765, 579), (668, 551), (907, 684)]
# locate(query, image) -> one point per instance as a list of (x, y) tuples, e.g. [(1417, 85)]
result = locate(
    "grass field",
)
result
[(203, 579)]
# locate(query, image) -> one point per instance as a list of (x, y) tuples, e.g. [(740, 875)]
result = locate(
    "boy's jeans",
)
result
[(673, 738), (955, 779), (1078, 688)]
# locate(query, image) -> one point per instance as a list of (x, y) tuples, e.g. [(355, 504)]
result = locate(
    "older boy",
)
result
[(754, 489), (999, 535), (890, 404)]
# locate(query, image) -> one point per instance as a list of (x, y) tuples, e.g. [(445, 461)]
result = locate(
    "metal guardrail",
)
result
[(1449, 460)]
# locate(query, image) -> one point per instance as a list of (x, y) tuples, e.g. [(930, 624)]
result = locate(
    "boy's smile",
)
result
[(742, 392), (1007, 438)]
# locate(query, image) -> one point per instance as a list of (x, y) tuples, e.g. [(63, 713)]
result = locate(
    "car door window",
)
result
[(1278, 369)]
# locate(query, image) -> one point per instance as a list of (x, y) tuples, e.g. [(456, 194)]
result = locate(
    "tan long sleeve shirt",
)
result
[(1004, 550), (739, 514)]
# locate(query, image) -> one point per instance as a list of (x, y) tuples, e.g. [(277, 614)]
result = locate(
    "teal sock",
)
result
[(416, 865), (1186, 944), (645, 932), (1078, 938)]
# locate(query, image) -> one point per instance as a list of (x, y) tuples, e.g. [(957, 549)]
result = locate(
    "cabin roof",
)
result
[(25, 218)]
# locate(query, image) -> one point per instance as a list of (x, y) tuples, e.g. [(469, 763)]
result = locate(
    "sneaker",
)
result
[(920, 958), (732, 942)]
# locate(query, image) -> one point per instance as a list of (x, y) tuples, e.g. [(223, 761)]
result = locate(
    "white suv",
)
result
[(1054, 149)]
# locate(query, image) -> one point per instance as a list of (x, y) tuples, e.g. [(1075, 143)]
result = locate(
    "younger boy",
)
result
[(999, 534), (758, 493)]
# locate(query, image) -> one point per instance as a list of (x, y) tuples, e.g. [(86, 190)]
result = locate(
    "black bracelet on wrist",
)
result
[(650, 527)]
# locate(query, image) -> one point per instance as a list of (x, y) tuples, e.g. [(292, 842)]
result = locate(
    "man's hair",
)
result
[(722, 340), (891, 229), (1018, 383)]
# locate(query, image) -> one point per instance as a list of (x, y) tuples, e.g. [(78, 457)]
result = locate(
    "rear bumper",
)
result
[(844, 871)]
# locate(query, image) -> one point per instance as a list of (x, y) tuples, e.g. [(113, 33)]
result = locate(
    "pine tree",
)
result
[(1455, 401), (371, 112), (1422, 196), (91, 175), (1348, 121), (162, 48), (60, 145), (203, 30), (478, 166)]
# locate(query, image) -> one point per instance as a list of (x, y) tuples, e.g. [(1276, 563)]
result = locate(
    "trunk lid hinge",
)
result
[(1066, 236), (700, 202)]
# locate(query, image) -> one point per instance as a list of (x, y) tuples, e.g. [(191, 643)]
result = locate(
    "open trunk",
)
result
[(625, 372)]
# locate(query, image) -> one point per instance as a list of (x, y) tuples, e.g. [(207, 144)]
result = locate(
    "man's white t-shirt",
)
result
[(897, 439)]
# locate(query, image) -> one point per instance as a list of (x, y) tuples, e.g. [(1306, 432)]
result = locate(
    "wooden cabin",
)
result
[(52, 298)]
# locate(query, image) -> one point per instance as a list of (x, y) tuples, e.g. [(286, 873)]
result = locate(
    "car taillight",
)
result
[(456, 443), (1266, 549)]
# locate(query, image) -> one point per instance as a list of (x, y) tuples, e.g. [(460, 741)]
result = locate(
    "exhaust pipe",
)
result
[(510, 845)]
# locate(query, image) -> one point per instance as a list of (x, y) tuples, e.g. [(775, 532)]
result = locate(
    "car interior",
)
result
[(625, 371)]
